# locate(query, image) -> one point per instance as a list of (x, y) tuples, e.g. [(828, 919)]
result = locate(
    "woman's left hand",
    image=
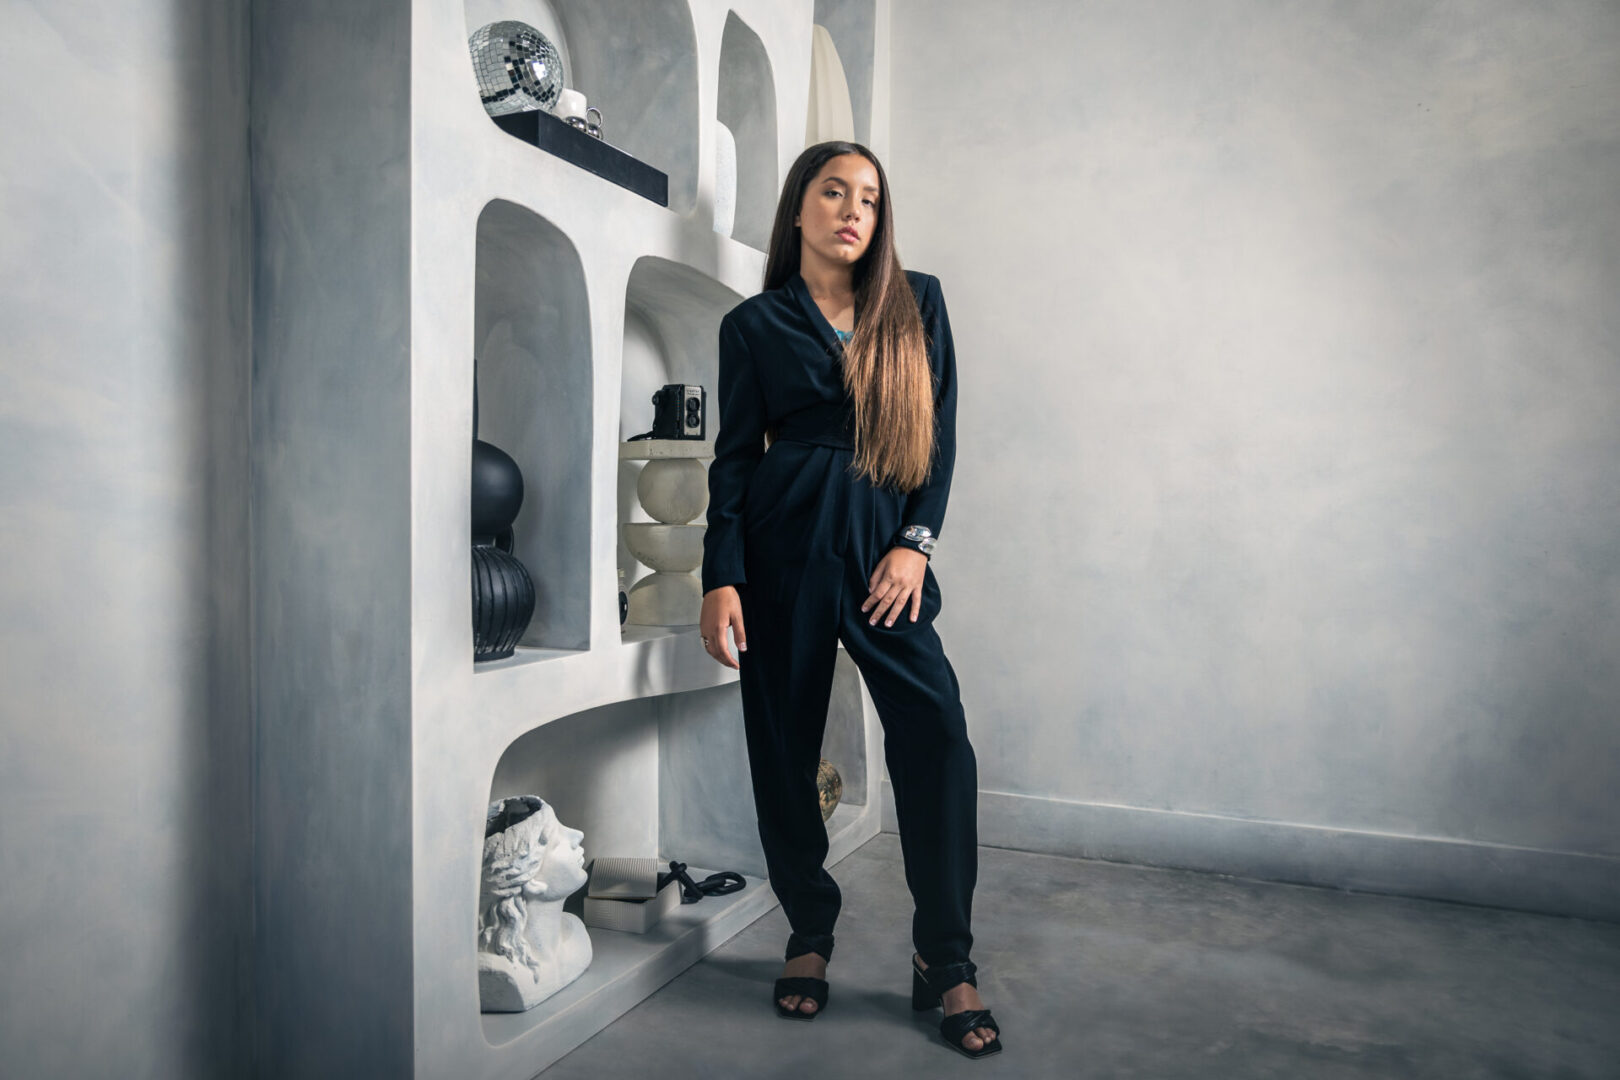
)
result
[(897, 580)]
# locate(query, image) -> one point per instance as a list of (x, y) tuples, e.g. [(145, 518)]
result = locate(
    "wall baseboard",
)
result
[(1432, 868)]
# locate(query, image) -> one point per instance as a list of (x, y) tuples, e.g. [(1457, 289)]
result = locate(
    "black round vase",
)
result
[(497, 490), (503, 601)]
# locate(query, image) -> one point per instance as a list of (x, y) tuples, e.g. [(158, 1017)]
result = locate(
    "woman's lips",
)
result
[(848, 235)]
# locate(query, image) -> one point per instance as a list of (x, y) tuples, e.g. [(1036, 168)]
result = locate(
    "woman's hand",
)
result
[(722, 607), (897, 580)]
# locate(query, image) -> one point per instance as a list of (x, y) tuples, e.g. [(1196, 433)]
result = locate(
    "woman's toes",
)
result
[(808, 1005), (972, 1041)]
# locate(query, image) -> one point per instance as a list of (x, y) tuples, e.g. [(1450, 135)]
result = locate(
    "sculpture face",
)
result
[(528, 946), (529, 853), (562, 866)]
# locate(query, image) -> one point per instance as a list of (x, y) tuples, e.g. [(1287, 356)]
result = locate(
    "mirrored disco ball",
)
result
[(518, 69)]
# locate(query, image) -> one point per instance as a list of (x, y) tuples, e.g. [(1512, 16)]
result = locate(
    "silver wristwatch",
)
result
[(922, 536)]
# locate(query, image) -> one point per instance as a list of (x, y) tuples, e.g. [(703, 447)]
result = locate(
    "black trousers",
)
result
[(813, 537)]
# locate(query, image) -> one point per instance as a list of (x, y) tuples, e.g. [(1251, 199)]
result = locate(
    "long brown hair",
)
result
[(886, 370)]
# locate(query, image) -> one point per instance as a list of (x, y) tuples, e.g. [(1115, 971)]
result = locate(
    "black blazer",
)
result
[(779, 354)]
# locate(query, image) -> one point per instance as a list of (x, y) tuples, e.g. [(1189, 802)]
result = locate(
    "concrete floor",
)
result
[(1099, 969)]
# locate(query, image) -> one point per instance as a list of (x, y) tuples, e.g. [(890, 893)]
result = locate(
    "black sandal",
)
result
[(928, 986), (804, 985)]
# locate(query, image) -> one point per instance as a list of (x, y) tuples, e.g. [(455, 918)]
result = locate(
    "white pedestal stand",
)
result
[(673, 489)]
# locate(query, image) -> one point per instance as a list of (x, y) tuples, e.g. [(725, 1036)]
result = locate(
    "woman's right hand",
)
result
[(722, 608)]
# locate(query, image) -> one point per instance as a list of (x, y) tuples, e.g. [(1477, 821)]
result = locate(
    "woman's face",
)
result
[(840, 210)]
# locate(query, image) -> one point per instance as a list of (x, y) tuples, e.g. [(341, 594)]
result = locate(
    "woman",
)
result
[(832, 465)]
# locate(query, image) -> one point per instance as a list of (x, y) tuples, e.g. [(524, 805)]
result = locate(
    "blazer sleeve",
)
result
[(738, 447), (926, 505)]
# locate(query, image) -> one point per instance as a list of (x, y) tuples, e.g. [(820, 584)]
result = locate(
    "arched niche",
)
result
[(532, 341), (747, 106), (672, 319), (853, 26), (668, 775), (636, 60)]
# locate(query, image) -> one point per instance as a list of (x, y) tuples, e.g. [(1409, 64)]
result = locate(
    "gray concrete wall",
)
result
[(332, 162), (125, 832), (1290, 414)]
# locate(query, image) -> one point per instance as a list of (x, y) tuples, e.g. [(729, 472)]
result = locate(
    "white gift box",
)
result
[(622, 894)]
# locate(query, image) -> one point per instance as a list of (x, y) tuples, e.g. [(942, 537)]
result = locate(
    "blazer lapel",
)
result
[(823, 328)]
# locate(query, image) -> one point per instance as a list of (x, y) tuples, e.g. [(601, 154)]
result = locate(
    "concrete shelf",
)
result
[(651, 661), (523, 657), (579, 298)]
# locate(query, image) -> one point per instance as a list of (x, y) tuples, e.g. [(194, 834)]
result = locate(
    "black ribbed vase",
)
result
[(503, 601), (502, 590)]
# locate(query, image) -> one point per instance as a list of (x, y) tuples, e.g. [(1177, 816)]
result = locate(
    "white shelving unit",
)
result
[(381, 741)]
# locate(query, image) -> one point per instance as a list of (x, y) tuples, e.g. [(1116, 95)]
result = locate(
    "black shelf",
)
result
[(557, 136)]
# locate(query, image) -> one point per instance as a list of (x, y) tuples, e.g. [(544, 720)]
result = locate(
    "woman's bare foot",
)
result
[(808, 964), (960, 998)]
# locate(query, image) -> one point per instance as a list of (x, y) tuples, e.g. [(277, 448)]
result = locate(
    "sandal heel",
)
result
[(955, 1027), (806, 986), (922, 995)]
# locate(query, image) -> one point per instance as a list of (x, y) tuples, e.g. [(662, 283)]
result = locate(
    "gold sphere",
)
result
[(831, 787)]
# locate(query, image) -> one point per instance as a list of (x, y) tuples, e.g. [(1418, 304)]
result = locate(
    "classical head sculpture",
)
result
[(528, 947)]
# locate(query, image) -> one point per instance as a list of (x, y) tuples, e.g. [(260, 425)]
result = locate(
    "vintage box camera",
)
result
[(679, 412)]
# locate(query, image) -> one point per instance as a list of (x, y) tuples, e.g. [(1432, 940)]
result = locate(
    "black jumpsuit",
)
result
[(799, 534)]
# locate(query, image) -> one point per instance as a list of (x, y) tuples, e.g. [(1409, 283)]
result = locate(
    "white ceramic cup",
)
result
[(569, 103)]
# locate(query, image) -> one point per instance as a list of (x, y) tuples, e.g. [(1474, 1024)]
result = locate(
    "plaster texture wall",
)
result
[(332, 165), (125, 794), (1290, 413)]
